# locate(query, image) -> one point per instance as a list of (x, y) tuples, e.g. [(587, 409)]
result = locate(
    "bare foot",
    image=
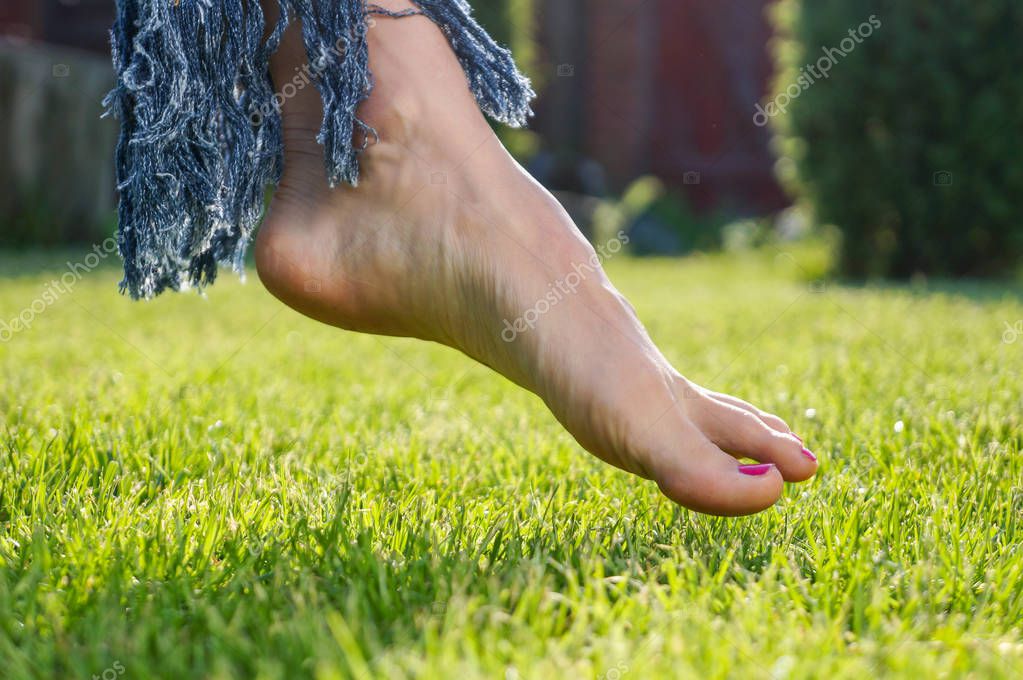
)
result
[(448, 239)]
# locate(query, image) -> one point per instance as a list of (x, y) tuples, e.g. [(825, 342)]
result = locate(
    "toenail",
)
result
[(756, 470), (809, 454)]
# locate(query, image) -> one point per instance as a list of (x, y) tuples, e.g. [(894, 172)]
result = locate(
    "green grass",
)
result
[(218, 487)]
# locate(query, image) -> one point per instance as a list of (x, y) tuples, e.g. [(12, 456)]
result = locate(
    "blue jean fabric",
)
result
[(200, 118)]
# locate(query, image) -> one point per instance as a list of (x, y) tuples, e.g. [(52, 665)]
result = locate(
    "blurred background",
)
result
[(884, 129)]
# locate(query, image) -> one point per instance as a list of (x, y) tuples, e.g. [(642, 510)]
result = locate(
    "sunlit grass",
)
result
[(219, 487)]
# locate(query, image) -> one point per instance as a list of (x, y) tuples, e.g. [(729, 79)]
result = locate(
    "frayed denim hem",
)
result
[(200, 120)]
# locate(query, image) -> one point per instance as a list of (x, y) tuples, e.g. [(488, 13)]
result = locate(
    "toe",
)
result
[(771, 420), (743, 433), (692, 471)]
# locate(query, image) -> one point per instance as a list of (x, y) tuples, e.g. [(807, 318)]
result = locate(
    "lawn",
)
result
[(217, 487)]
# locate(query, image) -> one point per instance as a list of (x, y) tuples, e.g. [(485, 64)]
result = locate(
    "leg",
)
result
[(446, 237)]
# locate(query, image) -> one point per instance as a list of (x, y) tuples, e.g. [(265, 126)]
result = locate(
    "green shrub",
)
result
[(911, 145), (659, 221)]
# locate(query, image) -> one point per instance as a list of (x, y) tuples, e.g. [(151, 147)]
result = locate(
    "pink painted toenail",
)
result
[(809, 454), (756, 470)]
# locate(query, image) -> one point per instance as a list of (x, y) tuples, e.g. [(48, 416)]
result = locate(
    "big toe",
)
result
[(694, 472)]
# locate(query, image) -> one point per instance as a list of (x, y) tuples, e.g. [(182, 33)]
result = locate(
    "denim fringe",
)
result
[(200, 122), (501, 91)]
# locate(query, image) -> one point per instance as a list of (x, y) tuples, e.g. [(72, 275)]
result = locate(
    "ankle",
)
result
[(395, 116)]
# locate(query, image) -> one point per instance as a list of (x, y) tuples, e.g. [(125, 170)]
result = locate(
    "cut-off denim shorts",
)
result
[(200, 118)]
